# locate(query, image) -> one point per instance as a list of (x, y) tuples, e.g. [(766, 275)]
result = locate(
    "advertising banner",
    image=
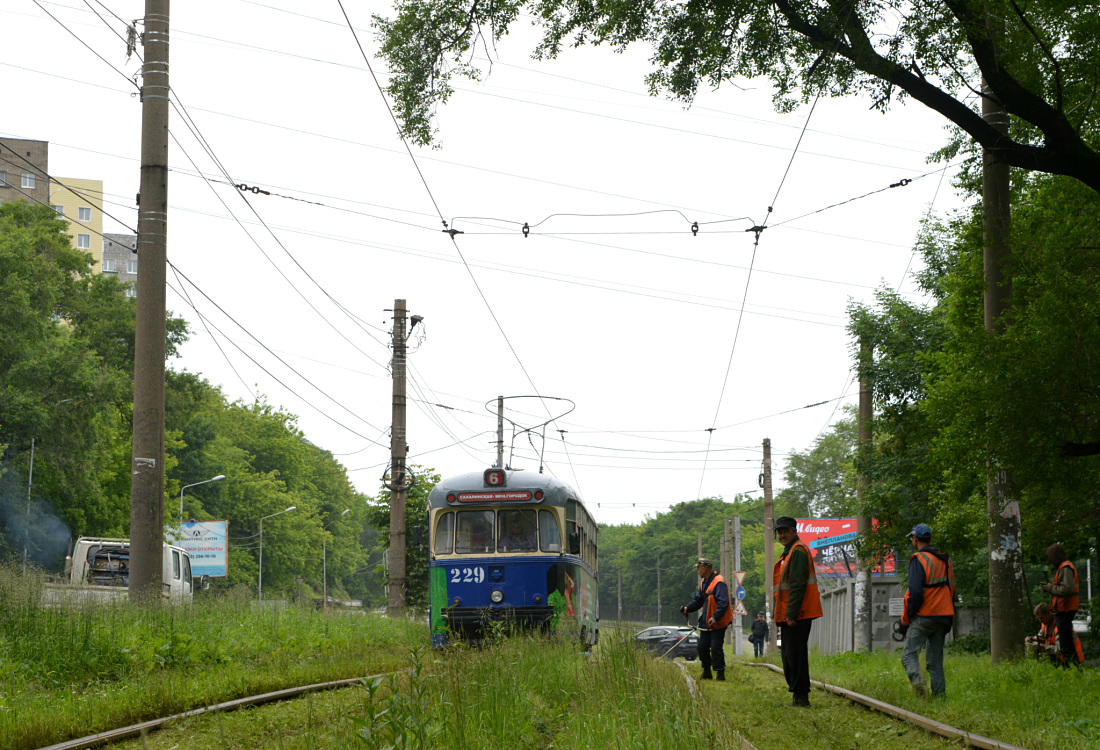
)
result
[(206, 542), (831, 543)]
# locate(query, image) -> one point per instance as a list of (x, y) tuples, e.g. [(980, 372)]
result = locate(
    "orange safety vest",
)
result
[(1051, 639), (712, 604), (1065, 603), (939, 588), (781, 587)]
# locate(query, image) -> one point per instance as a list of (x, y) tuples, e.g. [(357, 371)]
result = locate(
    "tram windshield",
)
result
[(516, 531), (474, 532), (505, 530)]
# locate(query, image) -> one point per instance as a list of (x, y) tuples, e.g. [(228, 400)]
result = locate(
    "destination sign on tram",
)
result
[(500, 496)]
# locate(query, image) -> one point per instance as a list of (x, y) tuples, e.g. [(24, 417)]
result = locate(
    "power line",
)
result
[(285, 364)]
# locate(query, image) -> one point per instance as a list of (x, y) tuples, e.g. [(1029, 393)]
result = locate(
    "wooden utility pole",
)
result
[(863, 626), (1008, 616), (398, 480), (769, 541), (147, 461)]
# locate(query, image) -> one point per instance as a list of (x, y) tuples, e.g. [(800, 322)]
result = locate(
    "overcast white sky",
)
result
[(611, 302)]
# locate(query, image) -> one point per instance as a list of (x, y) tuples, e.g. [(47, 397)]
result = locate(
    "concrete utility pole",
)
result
[(769, 540), (1008, 616), (863, 634), (500, 432), (395, 603), (147, 467), (659, 622), (620, 607)]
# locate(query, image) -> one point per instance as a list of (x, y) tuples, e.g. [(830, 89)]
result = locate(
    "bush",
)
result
[(977, 642)]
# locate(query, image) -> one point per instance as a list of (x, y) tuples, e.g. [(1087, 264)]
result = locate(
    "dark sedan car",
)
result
[(669, 641)]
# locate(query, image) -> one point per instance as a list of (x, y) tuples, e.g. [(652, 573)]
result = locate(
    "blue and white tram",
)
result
[(513, 547)]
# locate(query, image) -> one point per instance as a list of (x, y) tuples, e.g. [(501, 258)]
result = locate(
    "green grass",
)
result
[(67, 672), (1024, 702), (520, 693)]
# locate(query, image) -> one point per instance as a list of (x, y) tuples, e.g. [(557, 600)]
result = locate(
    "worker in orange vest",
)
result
[(713, 621), (1047, 640), (929, 608), (797, 605), (1063, 592)]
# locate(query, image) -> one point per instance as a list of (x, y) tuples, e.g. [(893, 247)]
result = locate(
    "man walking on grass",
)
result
[(928, 609)]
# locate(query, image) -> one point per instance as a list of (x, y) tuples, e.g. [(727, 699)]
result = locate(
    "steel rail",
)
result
[(134, 730), (929, 725)]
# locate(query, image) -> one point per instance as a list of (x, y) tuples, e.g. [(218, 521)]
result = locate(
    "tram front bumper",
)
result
[(474, 617)]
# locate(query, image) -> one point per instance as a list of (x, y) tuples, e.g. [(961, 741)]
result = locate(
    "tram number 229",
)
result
[(467, 575)]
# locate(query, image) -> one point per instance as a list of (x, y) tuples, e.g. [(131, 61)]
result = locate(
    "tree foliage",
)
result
[(1040, 60), (821, 482), (416, 516), (952, 400), (66, 374), (669, 542)]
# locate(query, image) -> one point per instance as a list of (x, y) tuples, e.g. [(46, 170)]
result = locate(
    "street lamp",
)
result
[(218, 478), (324, 557), (261, 586)]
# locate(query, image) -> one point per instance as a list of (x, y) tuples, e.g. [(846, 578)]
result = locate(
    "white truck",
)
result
[(98, 570)]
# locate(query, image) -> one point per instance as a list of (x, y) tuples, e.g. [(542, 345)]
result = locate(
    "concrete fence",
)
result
[(834, 633)]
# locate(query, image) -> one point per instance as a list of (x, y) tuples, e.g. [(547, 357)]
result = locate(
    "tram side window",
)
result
[(572, 531), (474, 531), (445, 534), (549, 535)]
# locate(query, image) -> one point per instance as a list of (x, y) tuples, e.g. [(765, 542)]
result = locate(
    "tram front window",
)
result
[(517, 531), (474, 532), (549, 535), (445, 534)]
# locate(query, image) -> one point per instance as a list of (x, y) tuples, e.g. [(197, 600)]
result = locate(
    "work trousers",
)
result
[(1064, 621), (711, 654), (926, 632), (795, 650)]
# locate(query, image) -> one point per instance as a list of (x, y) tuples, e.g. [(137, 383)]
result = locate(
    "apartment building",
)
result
[(24, 171), (120, 259), (81, 203)]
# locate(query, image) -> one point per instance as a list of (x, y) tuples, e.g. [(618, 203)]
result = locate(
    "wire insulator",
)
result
[(694, 229), (526, 230)]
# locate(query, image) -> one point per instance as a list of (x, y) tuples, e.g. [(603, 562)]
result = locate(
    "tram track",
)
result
[(929, 725), (136, 730)]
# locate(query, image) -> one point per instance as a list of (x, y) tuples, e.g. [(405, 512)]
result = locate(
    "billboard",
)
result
[(206, 542), (831, 542)]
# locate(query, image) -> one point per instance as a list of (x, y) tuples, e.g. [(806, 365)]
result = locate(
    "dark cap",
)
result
[(704, 562), (785, 522), (922, 532), (760, 614)]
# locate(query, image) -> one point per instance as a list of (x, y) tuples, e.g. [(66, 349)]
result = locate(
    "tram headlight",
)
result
[(497, 596)]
